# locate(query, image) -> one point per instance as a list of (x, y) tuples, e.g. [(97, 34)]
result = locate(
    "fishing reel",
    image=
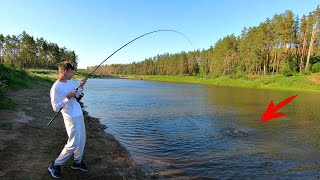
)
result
[(79, 97)]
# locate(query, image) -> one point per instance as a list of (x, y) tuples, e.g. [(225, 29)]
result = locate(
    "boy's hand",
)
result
[(72, 94), (83, 82)]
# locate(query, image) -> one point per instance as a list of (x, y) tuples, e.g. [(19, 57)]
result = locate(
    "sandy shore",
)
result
[(28, 146)]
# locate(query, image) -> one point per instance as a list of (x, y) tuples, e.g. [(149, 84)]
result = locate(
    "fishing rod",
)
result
[(168, 30)]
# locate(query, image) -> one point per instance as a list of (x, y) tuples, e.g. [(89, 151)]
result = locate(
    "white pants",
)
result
[(76, 131)]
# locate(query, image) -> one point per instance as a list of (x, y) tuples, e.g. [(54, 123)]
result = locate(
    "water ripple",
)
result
[(203, 132)]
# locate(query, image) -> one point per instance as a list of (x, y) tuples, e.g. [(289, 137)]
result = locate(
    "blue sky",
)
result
[(95, 29)]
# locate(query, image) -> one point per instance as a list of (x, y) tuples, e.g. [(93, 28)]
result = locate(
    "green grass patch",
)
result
[(6, 103), (81, 74), (6, 125), (42, 71), (12, 79), (298, 82), (52, 75)]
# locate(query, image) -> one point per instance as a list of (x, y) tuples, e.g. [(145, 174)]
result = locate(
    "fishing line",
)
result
[(162, 30)]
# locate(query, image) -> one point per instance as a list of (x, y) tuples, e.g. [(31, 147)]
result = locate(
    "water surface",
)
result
[(197, 131)]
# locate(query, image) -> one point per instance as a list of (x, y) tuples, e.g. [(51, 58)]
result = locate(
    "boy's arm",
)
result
[(56, 101), (80, 89)]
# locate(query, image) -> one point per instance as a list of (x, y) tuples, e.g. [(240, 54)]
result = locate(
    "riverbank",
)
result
[(309, 83), (28, 146)]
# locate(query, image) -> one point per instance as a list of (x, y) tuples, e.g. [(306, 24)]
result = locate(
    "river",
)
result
[(204, 132)]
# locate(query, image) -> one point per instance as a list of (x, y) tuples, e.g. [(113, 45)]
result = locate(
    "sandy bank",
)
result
[(28, 146)]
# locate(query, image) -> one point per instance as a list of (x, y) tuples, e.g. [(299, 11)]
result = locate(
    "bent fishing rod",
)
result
[(115, 53)]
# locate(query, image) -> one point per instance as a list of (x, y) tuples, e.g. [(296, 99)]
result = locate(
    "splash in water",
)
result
[(233, 132)]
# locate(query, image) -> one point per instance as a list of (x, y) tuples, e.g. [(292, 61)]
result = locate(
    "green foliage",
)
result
[(296, 82), (6, 103), (42, 71), (279, 45), (240, 73), (153, 175), (24, 51), (6, 125), (13, 79), (292, 63), (286, 71), (304, 72), (314, 59), (316, 67), (3, 87)]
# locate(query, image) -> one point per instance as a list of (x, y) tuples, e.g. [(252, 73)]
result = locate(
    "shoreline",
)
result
[(298, 83), (28, 146)]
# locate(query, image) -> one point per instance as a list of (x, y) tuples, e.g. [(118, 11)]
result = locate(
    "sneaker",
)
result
[(55, 171), (81, 166)]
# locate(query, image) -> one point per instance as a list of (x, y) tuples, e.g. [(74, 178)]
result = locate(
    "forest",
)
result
[(24, 51), (284, 44)]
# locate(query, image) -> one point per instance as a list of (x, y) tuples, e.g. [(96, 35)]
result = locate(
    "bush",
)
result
[(316, 67), (314, 59), (286, 72), (13, 79), (6, 125)]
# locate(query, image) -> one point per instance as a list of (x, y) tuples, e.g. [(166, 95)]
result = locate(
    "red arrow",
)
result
[(270, 112)]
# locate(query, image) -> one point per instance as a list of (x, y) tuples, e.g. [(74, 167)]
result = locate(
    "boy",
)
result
[(63, 95)]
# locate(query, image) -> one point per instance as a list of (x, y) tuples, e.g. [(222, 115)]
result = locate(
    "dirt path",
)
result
[(28, 146)]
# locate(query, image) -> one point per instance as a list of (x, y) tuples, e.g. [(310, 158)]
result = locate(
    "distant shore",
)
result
[(304, 83)]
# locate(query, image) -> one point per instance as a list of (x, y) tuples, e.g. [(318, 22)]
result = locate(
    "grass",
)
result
[(277, 82), (12, 79), (6, 103), (6, 125), (52, 75)]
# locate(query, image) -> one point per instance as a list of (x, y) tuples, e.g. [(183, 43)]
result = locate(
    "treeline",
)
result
[(283, 44), (24, 51)]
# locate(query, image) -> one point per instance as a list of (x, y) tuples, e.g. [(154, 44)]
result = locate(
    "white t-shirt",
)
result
[(58, 94)]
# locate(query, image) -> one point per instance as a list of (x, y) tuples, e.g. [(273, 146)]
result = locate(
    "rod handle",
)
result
[(53, 118)]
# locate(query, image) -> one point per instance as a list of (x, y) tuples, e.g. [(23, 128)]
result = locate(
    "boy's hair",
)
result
[(65, 65)]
